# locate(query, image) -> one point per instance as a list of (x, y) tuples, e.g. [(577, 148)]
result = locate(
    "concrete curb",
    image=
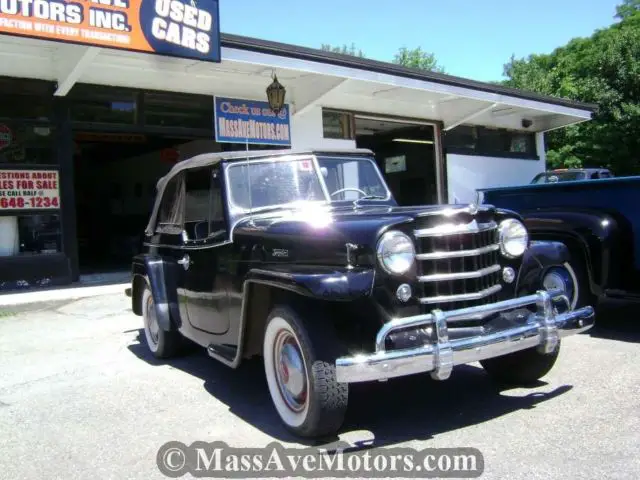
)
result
[(62, 294)]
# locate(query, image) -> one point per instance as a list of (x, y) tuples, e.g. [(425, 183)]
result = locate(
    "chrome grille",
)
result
[(459, 264)]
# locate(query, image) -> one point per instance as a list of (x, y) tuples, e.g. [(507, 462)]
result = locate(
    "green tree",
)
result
[(603, 69), (627, 8), (417, 58), (344, 49)]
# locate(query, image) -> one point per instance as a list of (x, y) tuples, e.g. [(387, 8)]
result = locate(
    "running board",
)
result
[(225, 353)]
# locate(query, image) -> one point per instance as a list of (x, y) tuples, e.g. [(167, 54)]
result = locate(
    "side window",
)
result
[(204, 210), (217, 221), (171, 213), (595, 175)]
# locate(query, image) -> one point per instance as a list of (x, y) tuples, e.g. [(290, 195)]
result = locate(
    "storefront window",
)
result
[(178, 110), (337, 124), (25, 99), (98, 104), (30, 235), (27, 143), (485, 141)]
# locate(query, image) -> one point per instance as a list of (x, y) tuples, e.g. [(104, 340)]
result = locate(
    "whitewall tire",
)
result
[(161, 343), (299, 361)]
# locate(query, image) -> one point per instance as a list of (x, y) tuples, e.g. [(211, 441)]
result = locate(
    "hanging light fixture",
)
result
[(275, 95)]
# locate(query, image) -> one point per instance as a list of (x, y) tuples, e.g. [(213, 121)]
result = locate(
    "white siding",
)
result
[(306, 132), (466, 173)]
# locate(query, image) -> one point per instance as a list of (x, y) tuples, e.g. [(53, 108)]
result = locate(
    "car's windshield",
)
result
[(554, 177), (351, 179), (262, 184)]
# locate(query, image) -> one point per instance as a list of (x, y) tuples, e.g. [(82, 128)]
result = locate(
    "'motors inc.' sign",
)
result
[(179, 28)]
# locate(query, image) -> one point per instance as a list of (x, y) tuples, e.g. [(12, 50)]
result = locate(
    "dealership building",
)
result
[(96, 107)]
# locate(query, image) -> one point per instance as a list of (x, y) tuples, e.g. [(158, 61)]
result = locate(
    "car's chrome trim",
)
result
[(462, 297), (542, 329), (458, 253), (442, 277), (455, 228)]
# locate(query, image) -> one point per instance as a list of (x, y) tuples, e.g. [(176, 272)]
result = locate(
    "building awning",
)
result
[(312, 78)]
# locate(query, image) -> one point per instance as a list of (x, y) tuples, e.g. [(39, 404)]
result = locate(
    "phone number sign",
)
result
[(29, 190)]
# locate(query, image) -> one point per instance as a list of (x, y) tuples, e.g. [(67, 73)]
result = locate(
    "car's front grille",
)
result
[(459, 264)]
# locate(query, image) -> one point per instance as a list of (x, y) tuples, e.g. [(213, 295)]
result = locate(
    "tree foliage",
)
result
[(603, 69), (413, 58), (344, 49), (417, 58), (627, 8)]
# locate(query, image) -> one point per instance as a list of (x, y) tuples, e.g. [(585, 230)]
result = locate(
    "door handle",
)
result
[(185, 262)]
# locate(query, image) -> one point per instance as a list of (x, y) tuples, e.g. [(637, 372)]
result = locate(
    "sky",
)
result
[(470, 39)]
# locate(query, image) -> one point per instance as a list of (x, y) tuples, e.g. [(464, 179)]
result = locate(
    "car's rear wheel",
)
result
[(161, 343), (299, 362)]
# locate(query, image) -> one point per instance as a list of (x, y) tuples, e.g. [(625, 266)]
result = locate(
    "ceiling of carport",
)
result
[(69, 64)]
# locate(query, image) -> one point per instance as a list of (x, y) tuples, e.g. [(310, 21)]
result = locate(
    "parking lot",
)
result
[(80, 397)]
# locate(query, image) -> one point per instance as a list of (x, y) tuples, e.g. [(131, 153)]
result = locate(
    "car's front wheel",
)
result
[(161, 343), (299, 361), (521, 368)]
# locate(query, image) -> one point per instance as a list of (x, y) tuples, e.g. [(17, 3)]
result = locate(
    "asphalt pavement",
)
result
[(80, 397)]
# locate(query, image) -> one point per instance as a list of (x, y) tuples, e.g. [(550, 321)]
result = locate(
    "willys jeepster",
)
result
[(305, 259)]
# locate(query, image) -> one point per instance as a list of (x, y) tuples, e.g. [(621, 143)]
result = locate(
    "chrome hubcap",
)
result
[(152, 321), (290, 371), (554, 281), (560, 279)]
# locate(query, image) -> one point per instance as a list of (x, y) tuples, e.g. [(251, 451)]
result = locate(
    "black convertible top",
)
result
[(206, 159)]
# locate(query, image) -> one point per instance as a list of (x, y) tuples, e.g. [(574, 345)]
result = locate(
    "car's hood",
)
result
[(312, 227)]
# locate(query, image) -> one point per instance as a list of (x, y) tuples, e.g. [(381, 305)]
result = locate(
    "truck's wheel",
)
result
[(578, 271), (161, 343), (572, 278), (520, 368), (299, 362)]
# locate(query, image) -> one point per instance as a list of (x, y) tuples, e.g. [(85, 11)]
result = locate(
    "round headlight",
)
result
[(396, 252), (514, 238)]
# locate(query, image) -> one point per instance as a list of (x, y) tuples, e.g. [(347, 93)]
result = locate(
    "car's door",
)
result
[(206, 252), (168, 242)]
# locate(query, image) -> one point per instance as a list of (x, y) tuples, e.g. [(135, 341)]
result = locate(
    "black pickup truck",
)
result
[(599, 220)]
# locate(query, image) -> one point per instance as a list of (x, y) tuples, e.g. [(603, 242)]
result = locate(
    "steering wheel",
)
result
[(349, 189)]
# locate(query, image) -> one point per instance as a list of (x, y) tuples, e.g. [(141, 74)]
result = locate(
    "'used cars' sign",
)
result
[(178, 28), (251, 121), (29, 190)]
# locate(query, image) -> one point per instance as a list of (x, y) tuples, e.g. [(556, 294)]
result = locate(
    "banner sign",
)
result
[(178, 28), (251, 121), (29, 190)]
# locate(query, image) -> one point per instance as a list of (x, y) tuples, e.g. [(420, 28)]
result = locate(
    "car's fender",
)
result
[(323, 283), (158, 274), (537, 260), (592, 237)]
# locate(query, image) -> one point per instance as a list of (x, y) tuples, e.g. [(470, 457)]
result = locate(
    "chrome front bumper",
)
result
[(542, 329)]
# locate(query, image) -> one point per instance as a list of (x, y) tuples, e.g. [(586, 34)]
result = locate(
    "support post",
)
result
[(471, 116), (67, 79), (310, 104)]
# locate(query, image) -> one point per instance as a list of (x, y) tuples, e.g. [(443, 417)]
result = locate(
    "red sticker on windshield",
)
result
[(305, 166)]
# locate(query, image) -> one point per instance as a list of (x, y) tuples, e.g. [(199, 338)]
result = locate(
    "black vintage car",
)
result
[(304, 258)]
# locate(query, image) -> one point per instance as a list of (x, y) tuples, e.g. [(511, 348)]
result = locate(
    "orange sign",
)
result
[(178, 28), (29, 190)]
